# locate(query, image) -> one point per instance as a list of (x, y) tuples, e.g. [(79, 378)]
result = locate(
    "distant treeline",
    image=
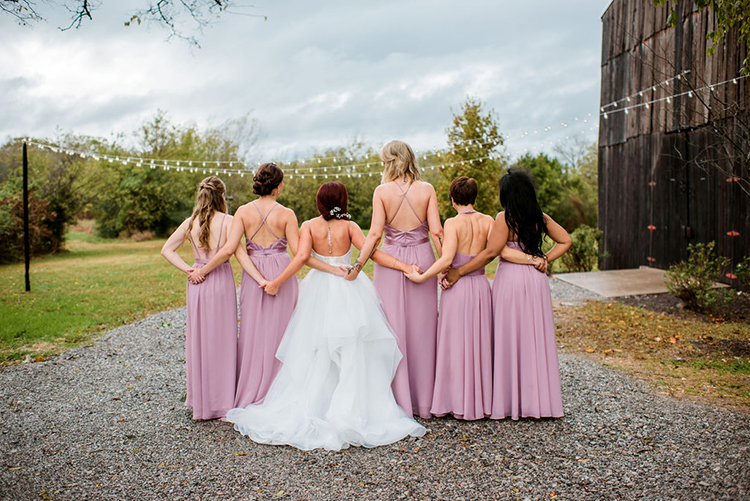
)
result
[(127, 200)]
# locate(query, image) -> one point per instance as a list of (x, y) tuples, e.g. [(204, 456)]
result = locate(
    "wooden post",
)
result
[(26, 245)]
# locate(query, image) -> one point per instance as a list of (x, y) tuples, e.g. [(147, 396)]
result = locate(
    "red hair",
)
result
[(332, 201)]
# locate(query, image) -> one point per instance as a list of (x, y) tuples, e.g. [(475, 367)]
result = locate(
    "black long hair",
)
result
[(522, 212)]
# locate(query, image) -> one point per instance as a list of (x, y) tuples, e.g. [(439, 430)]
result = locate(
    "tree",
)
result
[(170, 14), (472, 140), (728, 15)]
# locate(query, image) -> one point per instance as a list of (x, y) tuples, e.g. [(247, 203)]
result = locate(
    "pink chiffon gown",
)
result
[(211, 340), (263, 319), (411, 309), (526, 377), (463, 372)]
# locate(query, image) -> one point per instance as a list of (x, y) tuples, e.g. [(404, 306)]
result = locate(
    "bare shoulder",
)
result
[(425, 186), (287, 213)]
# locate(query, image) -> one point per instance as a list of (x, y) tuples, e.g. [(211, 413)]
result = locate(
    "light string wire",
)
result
[(350, 170), (668, 99)]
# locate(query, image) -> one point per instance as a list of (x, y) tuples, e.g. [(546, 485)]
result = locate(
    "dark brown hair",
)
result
[(463, 190), (267, 178), (332, 201)]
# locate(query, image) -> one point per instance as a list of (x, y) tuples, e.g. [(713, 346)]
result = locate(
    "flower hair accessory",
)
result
[(336, 212)]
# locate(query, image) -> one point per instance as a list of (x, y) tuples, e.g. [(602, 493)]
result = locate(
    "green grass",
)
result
[(96, 285)]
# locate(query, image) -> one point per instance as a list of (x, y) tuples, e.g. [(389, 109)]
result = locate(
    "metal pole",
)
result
[(26, 245)]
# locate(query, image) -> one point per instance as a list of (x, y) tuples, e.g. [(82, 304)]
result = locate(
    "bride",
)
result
[(338, 353)]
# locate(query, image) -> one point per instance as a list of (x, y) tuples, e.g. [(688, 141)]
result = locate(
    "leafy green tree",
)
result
[(472, 139)]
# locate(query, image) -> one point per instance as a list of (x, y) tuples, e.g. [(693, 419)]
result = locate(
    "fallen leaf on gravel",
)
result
[(240, 454), (44, 494), (590, 350), (279, 494), (672, 339), (15, 468), (582, 460)]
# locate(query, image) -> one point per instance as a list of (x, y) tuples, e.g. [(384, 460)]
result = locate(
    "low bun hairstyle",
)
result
[(267, 178)]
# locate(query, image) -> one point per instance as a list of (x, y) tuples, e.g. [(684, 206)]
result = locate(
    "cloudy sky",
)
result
[(314, 74)]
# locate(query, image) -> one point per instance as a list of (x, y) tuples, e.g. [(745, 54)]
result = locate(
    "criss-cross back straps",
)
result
[(263, 223), (404, 197)]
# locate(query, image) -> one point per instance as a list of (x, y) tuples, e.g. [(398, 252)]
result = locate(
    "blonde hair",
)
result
[(400, 161), (208, 201)]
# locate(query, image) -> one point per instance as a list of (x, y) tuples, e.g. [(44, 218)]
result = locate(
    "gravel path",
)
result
[(108, 422)]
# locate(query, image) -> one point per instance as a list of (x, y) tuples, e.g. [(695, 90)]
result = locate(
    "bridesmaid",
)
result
[(268, 228), (406, 209), (463, 372), (526, 378), (211, 340)]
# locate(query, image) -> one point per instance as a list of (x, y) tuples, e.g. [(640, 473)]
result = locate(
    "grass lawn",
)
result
[(708, 361)]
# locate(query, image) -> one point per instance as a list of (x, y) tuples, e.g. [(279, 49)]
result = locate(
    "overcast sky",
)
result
[(315, 74)]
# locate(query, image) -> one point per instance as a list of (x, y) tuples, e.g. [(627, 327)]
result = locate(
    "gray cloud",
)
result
[(316, 75)]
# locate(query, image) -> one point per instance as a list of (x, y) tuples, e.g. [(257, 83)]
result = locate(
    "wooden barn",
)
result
[(674, 164)]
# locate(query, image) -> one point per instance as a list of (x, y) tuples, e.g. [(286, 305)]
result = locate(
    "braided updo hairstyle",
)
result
[(267, 178), (209, 200)]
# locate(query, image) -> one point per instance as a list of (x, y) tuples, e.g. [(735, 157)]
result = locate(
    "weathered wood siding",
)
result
[(649, 172)]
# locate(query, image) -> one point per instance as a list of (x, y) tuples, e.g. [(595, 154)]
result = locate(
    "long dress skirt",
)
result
[(526, 377), (263, 320), (411, 310), (211, 343), (338, 358), (463, 371)]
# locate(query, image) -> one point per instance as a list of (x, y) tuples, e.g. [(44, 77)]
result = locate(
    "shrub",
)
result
[(743, 271), (583, 254), (44, 227), (691, 280)]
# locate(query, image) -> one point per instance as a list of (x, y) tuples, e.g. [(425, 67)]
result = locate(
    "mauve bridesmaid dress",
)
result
[(263, 319), (411, 310), (463, 372), (211, 340), (526, 377)]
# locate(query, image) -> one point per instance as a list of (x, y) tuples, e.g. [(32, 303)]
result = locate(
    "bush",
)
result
[(743, 271), (45, 235), (691, 280), (583, 255)]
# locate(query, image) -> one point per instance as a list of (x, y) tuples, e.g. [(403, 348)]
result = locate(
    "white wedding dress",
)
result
[(339, 356)]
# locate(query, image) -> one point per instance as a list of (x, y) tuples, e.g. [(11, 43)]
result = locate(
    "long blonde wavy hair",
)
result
[(209, 200), (400, 161)]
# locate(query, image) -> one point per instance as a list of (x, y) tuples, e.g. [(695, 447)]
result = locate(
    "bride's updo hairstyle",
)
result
[(463, 190), (333, 201), (210, 199), (399, 162), (267, 178), (523, 215)]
